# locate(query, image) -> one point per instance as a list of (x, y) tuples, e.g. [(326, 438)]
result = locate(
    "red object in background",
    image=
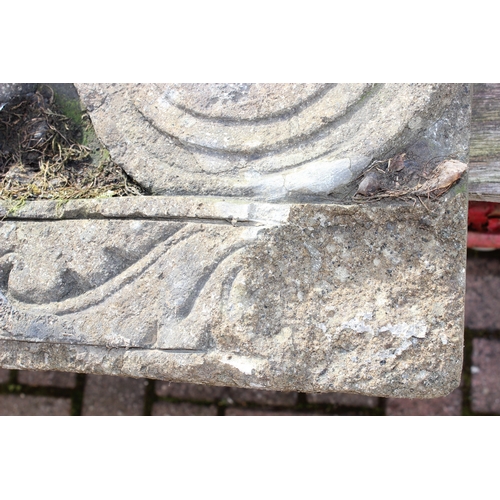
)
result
[(484, 225)]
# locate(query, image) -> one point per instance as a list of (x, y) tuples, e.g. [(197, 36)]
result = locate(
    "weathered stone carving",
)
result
[(268, 141), (298, 294)]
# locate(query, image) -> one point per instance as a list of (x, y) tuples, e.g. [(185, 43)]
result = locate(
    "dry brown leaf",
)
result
[(443, 177), (396, 164), (369, 185)]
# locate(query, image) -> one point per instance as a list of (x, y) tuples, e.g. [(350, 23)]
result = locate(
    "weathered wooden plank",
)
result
[(484, 175)]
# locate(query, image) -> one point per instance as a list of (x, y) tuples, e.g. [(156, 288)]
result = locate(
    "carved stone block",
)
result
[(256, 262)]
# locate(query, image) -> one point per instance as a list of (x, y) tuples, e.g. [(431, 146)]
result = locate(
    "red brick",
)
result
[(193, 392), (260, 412), (162, 408), (266, 398), (485, 384), (21, 405), (197, 392), (108, 395), (482, 294), (4, 376), (448, 406), (47, 379), (338, 399)]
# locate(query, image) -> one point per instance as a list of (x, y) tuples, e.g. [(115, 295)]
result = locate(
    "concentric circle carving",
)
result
[(243, 139)]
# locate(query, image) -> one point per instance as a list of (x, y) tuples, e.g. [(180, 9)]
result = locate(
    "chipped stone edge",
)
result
[(206, 368), (184, 366), (222, 210)]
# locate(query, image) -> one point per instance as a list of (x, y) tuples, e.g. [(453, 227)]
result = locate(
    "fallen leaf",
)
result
[(369, 185), (443, 177), (397, 163)]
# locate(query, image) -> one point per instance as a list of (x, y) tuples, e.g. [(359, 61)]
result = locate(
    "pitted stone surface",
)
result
[(318, 297), (270, 282)]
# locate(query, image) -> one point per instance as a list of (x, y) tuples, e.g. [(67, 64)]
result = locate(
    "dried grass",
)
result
[(42, 155), (433, 185)]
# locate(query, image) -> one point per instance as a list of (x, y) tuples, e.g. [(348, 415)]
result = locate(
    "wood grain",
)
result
[(484, 174)]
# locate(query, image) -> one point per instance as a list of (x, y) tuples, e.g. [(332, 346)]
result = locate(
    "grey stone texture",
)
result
[(113, 396), (317, 297), (282, 279), (47, 379), (270, 141), (22, 405), (483, 293), (450, 405), (485, 374)]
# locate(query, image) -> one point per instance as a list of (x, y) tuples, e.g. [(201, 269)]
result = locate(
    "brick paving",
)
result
[(336, 399), (193, 392), (55, 393), (4, 376), (162, 408), (22, 405), (260, 412), (450, 405), (266, 398), (482, 301), (485, 376), (118, 396), (47, 379)]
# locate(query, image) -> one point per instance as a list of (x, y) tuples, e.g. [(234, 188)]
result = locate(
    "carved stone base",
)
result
[(301, 237), (364, 298)]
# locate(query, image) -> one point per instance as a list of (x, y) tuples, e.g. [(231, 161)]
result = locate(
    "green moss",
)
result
[(14, 206), (89, 136), (459, 188), (70, 108)]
